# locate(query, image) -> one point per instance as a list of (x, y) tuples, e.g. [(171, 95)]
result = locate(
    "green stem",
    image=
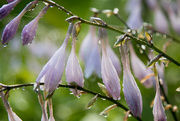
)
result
[(9, 87)]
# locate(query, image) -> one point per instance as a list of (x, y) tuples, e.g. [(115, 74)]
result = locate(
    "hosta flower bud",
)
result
[(11, 115), (139, 69), (29, 31), (131, 91), (158, 110), (7, 8), (73, 70), (11, 28), (160, 21), (109, 73), (52, 72), (113, 57), (90, 54)]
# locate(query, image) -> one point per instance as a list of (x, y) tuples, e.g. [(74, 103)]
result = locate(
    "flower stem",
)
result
[(9, 87)]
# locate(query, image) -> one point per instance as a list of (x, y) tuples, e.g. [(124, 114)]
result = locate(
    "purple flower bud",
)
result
[(158, 110), (73, 70), (135, 20), (113, 57), (140, 70), (160, 21), (131, 91), (11, 115), (29, 31), (52, 72), (11, 28), (109, 73), (90, 54), (7, 8)]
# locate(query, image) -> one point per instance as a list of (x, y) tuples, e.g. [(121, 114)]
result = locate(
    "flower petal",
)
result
[(110, 77), (74, 72), (131, 91), (7, 8)]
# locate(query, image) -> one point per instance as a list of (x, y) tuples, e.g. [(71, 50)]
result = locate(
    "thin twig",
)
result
[(9, 87)]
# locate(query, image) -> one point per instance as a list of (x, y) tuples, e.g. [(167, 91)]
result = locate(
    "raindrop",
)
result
[(163, 36), (157, 34), (141, 51), (5, 45), (59, 8), (103, 98), (23, 88), (99, 41), (51, 6), (129, 115), (18, 88), (67, 13), (143, 47), (105, 114)]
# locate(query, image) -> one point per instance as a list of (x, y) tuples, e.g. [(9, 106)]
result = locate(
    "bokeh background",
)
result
[(22, 64)]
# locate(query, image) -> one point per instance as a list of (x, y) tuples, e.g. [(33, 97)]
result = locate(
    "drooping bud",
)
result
[(113, 57), (11, 115), (109, 73), (7, 8), (158, 110), (140, 70), (131, 91), (73, 70), (52, 72), (11, 28), (90, 54), (160, 21), (29, 31)]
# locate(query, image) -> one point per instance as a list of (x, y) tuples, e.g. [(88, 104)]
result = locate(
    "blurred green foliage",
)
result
[(22, 64)]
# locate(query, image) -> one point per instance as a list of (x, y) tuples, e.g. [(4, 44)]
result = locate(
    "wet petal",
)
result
[(11, 28), (114, 59), (7, 8), (74, 72), (131, 91), (110, 77), (93, 64), (29, 31), (158, 110), (52, 72), (160, 21), (90, 53), (139, 69)]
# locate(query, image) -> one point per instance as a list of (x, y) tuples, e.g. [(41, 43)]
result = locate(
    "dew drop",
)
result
[(51, 6), (143, 47), (141, 51), (67, 13), (23, 88), (103, 98), (59, 8), (105, 114), (5, 45), (163, 36), (129, 115), (99, 41)]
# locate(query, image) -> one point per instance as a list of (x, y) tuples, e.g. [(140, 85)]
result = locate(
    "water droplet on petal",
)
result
[(5, 45)]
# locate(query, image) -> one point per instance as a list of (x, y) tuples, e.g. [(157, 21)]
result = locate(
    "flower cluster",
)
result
[(29, 31), (104, 62)]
